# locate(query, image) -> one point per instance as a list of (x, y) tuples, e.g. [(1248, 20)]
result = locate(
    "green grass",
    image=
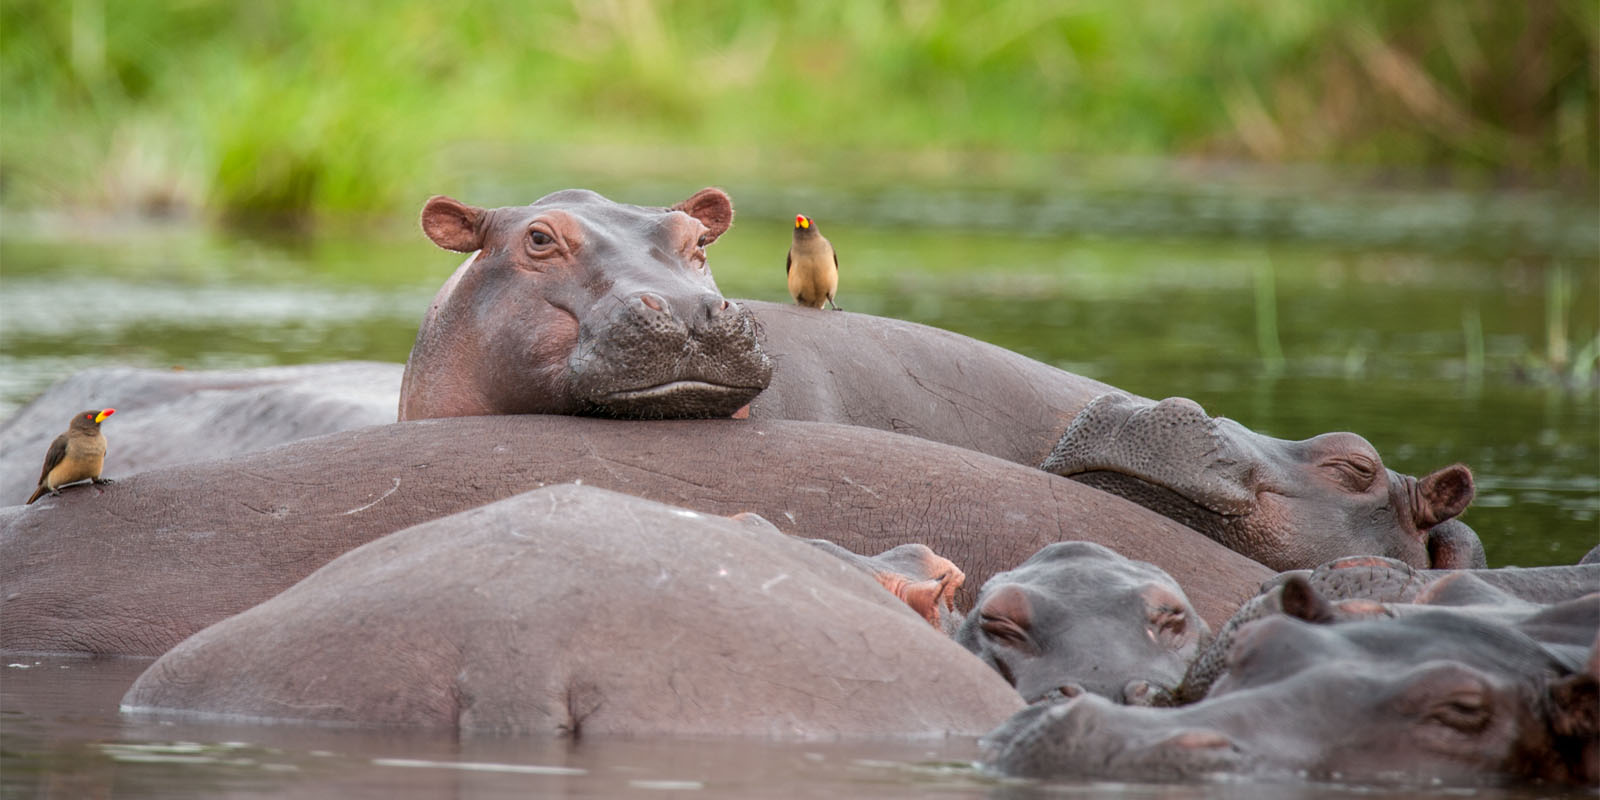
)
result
[(292, 109)]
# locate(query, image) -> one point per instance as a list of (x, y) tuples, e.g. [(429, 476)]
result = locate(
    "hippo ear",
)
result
[(712, 207), (1443, 495), (452, 224), (1006, 616), (1301, 601), (1574, 703)]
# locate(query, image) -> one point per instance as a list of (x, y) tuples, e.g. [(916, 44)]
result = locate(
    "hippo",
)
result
[(578, 611), (1368, 587), (168, 417), (1289, 505), (1435, 697), (579, 305), (135, 567), (1077, 616), (631, 325), (926, 581)]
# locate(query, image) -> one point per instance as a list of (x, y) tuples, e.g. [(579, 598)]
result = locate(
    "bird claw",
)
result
[(102, 481)]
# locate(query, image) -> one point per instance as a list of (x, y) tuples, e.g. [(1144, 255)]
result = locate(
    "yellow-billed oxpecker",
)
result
[(75, 456), (813, 266)]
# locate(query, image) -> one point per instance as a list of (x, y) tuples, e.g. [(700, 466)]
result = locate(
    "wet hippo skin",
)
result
[(1289, 505), (134, 567), (1435, 697), (579, 611)]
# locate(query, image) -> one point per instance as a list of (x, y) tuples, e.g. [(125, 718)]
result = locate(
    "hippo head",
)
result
[(1079, 617), (578, 305), (1433, 697), (1287, 504)]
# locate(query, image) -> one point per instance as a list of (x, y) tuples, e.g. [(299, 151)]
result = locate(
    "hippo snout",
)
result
[(655, 355), (1091, 737)]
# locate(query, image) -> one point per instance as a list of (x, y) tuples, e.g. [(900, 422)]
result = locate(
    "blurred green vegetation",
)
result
[(298, 108)]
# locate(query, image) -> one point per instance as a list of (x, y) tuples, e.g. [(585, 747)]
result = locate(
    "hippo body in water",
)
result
[(1289, 505), (573, 610), (1434, 697), (135, 567)]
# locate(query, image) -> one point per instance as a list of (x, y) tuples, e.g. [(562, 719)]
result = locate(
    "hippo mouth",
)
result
[(678, 399)]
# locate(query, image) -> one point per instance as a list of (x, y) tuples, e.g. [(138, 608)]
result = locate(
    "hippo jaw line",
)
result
[(672, 388), (676, 399)]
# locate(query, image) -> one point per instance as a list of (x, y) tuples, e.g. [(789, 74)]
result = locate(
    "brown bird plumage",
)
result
[(813, 267), (77, 455)]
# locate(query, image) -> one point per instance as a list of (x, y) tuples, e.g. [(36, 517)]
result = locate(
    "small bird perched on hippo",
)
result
[(813, 266), (75, 456)]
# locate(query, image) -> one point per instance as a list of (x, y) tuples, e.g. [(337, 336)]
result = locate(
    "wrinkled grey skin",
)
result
[(923, 579), (167, 417), (133, 568), (573, 610), (1289, 505), (1432, 696), (1076, 617), (579, 305), (1364, 587)]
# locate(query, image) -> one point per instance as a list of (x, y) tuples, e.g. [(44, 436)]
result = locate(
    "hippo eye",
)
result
[(704, 241), (540, 238), (1463, 711), (1353, 472)]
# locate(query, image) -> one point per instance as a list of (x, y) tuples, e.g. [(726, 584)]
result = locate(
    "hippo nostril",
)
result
[(724, 306), (652, 302)]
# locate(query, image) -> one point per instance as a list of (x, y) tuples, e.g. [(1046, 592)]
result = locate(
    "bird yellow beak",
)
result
[(800, 221), (101, 417)]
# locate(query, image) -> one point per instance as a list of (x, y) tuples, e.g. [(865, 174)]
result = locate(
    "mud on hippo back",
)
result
[(1288, 504), (579, 305)]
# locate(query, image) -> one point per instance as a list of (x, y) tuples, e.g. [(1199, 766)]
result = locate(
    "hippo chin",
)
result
[(579, 305), (1289, 505)]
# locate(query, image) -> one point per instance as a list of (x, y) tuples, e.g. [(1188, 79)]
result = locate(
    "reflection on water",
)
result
[(61, 736)]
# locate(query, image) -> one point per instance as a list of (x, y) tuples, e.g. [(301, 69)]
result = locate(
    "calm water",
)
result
[(1426, 324)]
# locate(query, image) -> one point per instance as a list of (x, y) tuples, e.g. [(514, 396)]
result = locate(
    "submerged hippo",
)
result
[(1431, 697), (576, 304), (135, 567), (1289, 505), (574, 610), (1368, 587), (1078, 617)]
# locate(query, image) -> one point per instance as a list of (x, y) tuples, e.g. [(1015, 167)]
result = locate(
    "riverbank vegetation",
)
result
[(298, 109)]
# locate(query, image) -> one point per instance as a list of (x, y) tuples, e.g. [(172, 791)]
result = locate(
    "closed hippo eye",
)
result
[(1006, 632), (1355, 473)]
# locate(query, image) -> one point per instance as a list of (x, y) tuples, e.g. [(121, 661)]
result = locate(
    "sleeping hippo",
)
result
[(1435, 697), (1369, 587), (577, 611), (1289, 505), (1076, 617), (575, 304)]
